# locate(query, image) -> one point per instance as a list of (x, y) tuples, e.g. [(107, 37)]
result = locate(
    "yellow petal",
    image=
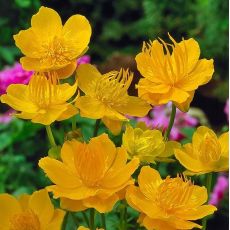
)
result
[(198, 213), (170, 146), (184, 106), (150, 224), (199, 197), (224, 143), (134, 107), (72, 205), (90, 107), (77, 31), (50, 115), (57, 220), (101, 205), (35, 64), (113, 125), (191, 49), (8, 207), (87, 75), (25, 37), (24, 201), (69, 112), (40, 25), (149, 179), (41, 205), (59, 173), (78, 193), (66, 71), (200, 75), (141, 203), (189, 162)]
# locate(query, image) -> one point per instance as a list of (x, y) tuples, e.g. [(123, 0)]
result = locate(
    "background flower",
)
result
[(13, 75)]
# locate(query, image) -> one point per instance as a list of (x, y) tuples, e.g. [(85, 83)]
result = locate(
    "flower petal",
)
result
[(101, 205), (113, 125), (87, 75), (134, 107), (66, 71), (42, 28), (57, 220), (8, 207), (41, 205), (72, 205), (59, 173), (77, 31), (224, 141)]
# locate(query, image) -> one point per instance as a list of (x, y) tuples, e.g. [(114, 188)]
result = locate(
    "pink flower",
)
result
[(226, 108), (83, 60), (6, 117), (220, 188), (13, 75), (159, 118)]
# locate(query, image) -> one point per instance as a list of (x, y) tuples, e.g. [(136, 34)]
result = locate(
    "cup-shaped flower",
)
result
[(172, 77), (148, 145), (92, 175), (106, 97), (171, 203), (41, 100), (34, 211), (50, 46), (207, 153)]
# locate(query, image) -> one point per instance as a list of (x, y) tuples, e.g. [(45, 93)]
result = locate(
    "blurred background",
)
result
[(119, 29)]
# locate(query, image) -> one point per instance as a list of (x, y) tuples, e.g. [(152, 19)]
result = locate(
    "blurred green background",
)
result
[(119, 28)]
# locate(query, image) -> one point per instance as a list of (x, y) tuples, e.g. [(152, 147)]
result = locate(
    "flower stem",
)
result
[(75, 220), (64, 223), (85, 218), (74, 120), (208, 184), (91, 220), (123, 216), (50, 136), (96, 128), (171, 121), (103, 221)]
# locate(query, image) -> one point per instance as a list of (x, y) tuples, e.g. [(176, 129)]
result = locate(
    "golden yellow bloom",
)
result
[(50, 46), (41, 101), (106, 97), (206, 153), (167, 204), (29, 212), (172, 77), (148, 145), (91, 175)]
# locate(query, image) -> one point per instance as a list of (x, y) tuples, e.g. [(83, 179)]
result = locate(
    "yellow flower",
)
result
[(206, 153), (148, 145), (106, 97), (91, 175), (50, 46), (34, 212), (167, 204), (41, 101), (172, 77)]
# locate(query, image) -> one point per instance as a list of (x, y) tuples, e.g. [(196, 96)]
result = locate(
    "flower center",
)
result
[(173, 194), (210, 149), (55, 53), (90, 164), (112, 88), (26, 220), (43, 92)]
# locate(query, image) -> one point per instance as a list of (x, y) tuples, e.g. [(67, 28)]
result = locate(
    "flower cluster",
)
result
[(95, 175)]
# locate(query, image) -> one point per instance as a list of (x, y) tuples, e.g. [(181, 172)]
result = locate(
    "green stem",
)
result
[(208, 186), (50, 136), (171, 121), (103, 221), (91, 220), (74, 120), (85, 218), (65, 221), (96, 128), (75, 220), (123, 216)]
